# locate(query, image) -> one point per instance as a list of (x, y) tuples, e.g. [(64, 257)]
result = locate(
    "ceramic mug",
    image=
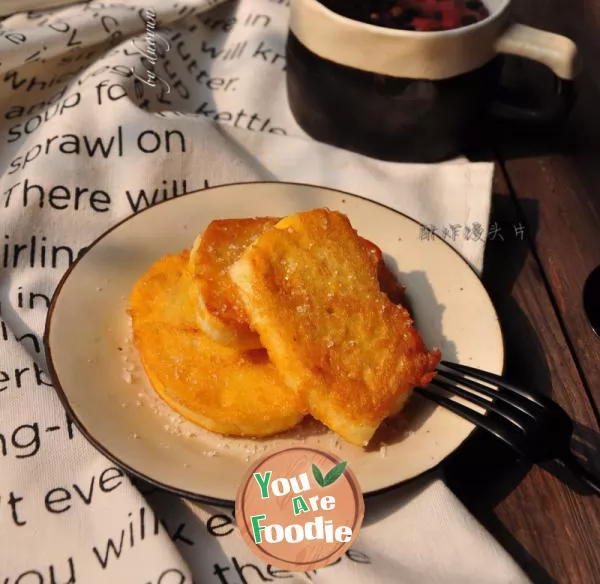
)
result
[(406, 95)]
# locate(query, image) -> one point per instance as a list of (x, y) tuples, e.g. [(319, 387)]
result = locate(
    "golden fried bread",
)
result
[(388, 283), (221, 314), (213, 386), (311, 293)]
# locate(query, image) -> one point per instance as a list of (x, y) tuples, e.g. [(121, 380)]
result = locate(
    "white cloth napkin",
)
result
[(79, 154)]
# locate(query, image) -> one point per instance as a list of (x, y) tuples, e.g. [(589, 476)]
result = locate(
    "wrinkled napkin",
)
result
[(92, 133)]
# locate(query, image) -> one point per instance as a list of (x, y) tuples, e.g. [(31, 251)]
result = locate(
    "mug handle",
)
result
[(558, 53)]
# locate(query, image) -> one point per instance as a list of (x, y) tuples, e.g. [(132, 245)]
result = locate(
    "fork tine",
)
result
[(485, 390), (480, 401), (492, 378), (468, 414)]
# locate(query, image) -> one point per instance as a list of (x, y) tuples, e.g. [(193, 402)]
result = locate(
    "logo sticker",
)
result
[(299, 508)]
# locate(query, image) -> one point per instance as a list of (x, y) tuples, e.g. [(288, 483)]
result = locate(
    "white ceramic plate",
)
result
[(96, 374)]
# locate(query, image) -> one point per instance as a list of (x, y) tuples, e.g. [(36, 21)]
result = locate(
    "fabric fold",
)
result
[(86, 144)]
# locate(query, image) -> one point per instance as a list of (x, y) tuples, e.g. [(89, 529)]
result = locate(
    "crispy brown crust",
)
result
[(214, 386), (311, 291), (218, 248), (222, 244)]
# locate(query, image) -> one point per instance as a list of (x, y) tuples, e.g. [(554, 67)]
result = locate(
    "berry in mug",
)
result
[(418, 15)]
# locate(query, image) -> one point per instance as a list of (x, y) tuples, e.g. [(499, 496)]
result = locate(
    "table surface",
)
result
[(547, 204)]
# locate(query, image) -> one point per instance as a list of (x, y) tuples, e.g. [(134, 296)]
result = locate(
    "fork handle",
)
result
[(581, 473)]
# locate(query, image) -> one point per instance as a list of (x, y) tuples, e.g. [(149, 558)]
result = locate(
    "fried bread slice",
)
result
[(221, 314), (388, 283), (311, 293), (213, 386)]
